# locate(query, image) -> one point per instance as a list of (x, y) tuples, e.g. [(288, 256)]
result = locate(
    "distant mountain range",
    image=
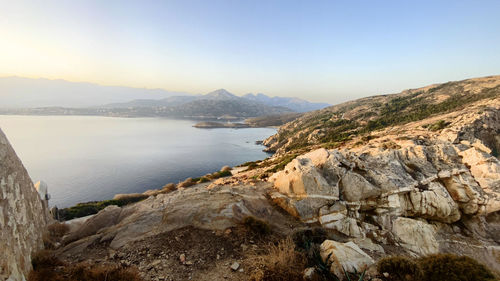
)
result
[(59, 97), (19, 92), (295, 104)]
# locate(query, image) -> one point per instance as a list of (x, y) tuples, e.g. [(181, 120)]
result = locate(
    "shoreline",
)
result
[(90, 208)]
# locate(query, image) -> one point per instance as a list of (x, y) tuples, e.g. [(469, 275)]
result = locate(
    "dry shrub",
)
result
[(225, 168), (57, 230), (304, 238), (400, 269), (169, 187), (85, 272), (46, 266), (45, 274), (45, 259), (450, 267), (187, 183), (279, 262), (48, 242), (256, 226)]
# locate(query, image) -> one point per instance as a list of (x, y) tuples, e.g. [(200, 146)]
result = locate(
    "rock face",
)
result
[(408, 185), (346, 256), (22, 216), (214, 208)]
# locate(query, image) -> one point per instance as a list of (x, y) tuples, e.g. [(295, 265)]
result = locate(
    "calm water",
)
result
[(92, 158)]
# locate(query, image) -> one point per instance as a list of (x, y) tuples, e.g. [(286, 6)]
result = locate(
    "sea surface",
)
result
[(87, 158)]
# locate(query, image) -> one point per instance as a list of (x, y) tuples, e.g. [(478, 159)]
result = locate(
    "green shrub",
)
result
[(90, 208), (221, 174), (203, 179), (400, 269), (282, 162), (450, 267), (256, 225), (439, 125)]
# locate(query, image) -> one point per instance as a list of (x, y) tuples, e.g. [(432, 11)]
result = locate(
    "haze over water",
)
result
[(93, 158)]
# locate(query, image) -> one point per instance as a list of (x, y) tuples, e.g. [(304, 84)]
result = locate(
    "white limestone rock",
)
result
[(346, 256)]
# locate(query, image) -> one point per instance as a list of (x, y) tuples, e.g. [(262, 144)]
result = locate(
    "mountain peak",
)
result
[(221, 94)]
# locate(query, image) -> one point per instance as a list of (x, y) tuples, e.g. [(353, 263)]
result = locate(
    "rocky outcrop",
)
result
[(344, 256), (22, 216), (212, 207), (407, 186)]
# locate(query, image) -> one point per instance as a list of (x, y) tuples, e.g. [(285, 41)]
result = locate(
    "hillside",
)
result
[(295, 104), (20, 92), (214, 105), (414, 179), (339, 124)]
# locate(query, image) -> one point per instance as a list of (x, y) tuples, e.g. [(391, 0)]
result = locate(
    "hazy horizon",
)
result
[(322, 52)]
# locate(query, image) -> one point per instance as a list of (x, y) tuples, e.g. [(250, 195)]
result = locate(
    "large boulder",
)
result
[(23, 217), (301, 179), (434, 203), (417, 236), (105, 218), (216, 208), (346, 256)]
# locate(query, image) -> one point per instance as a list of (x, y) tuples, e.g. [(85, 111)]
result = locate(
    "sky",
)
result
[(329, 51)]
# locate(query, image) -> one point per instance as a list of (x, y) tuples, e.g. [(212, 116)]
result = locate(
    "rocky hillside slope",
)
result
[(22, 216), (338, 124), (394, 182)]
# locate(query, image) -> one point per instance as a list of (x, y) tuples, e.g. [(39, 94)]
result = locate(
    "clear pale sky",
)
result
[(328, 51)]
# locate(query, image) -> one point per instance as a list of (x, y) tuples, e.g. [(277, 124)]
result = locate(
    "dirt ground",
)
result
[(185, 254)]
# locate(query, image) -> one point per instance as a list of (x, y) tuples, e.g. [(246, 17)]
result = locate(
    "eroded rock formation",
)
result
[(414, 187), (22, 216)]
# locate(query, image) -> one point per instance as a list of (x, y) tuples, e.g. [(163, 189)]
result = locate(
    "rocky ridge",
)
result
[(422, 190), (412, 188)]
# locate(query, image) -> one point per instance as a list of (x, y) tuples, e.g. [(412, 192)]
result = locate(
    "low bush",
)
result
[(46, 266), (45, 259), (252, 166), (439, 125), (256, 225), (90, 208), (84, 272), (436, 267), (305, 238), (400, 269), (282, 162), (279, 262), (57, 230), (225, 168), (169, 187), (221, 174), (203, 179), (186, 183), (450, 267)]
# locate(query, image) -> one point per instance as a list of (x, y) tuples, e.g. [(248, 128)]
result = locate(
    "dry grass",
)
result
[(46, 266), (54, 234), (169, 187), (57, 230), (186, 183), (279, 262), (256, 226)]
